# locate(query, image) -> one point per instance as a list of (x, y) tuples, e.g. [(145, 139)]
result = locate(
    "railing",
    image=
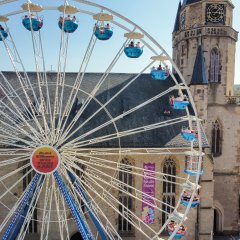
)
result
[(233, 100), (207, 31)]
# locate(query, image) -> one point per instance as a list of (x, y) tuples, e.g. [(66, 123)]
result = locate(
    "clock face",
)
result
[(215, 13), (183, 20)]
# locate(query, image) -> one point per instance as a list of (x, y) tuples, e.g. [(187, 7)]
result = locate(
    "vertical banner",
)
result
[(148, 193)]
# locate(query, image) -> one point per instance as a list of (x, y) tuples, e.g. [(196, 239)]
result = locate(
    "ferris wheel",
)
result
[(83, 151)]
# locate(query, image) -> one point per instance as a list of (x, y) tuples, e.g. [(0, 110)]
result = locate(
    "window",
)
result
[(32, 227), (216, 139), (169, 188), (125, 176), (214, 66)]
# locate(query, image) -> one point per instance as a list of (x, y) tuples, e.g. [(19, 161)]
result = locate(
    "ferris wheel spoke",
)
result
[(19, 181), (80, 220), (65, 214), (90, 203), (13, 134), (126, 133), (45, 204), (15, 160), (23, 80), (21, 115), (124, 151), (14, 172), (94, 91), (12, 144), (61, 219), (15, 125), (10, 93), (18, 208), (40, 67), (113, 182), (62, 62), (76, 86), (111, 201), (118, 117), (96, 162), (31, 207), (14, 152), (47, 217), (14, 139), (41, 73)]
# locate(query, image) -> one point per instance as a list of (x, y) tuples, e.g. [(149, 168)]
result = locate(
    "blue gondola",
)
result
[(179, 234), (133, 52), (188, 136), (179, 105), (193, 173), (103, 33), (34, 22), (69, 26), (193, 204), (159, 74), (3, 34)]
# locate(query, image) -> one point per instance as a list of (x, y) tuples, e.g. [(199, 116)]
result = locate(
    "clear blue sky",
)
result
[(154, 16)]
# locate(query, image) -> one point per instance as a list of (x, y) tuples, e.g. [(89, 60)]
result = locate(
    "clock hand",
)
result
[(218, 12)]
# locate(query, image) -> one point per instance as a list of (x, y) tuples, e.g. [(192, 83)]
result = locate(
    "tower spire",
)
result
[(177, 20), (199, 71)]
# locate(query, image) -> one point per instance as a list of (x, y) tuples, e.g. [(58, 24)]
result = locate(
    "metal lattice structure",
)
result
[(66, 135)]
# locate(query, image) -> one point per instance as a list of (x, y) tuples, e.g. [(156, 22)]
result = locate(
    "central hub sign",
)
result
[(45, 160)]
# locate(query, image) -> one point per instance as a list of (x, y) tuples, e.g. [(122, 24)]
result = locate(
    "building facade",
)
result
[(204, 46)]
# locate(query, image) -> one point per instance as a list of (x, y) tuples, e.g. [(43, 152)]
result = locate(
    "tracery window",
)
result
[(169, 187), (125, 176), (214, 66), (216, 139)]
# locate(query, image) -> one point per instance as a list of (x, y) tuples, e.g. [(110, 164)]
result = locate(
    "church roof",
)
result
[(177, 20), (136, 93), (187, 2), (199, 71)]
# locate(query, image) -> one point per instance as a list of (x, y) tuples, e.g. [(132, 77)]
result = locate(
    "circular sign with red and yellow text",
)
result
[(45, 160)]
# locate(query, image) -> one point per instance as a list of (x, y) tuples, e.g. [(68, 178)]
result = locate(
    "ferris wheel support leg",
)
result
[(81, 192), (80, 221), (28, 195)]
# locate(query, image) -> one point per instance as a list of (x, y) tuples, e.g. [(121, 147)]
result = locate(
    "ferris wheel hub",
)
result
[(45, 160)]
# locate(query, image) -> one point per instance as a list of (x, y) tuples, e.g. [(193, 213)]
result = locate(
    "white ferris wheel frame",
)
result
[(129, 151)]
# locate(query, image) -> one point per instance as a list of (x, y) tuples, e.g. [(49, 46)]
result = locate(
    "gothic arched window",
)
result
[(214, 66), (126, 207), (216, 139), (169, 187)]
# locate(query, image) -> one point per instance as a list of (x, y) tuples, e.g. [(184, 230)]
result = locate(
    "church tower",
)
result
[(212, 21), (204, 46)]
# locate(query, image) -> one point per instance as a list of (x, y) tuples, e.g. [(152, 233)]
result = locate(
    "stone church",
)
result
[(204, 46)]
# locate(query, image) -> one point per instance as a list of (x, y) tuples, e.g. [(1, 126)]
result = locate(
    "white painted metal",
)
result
[(28, 122)]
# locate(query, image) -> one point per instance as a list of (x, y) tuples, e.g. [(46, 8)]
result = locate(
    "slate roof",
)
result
[(139, 91), (187, 2), (199, 71), (177, 19)]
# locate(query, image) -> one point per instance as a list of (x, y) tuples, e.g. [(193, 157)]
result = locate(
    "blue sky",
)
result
[(157, 17)]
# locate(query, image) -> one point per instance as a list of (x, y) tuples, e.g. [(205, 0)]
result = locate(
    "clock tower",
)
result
[(210, 21), (204, 46), (215, 13)]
